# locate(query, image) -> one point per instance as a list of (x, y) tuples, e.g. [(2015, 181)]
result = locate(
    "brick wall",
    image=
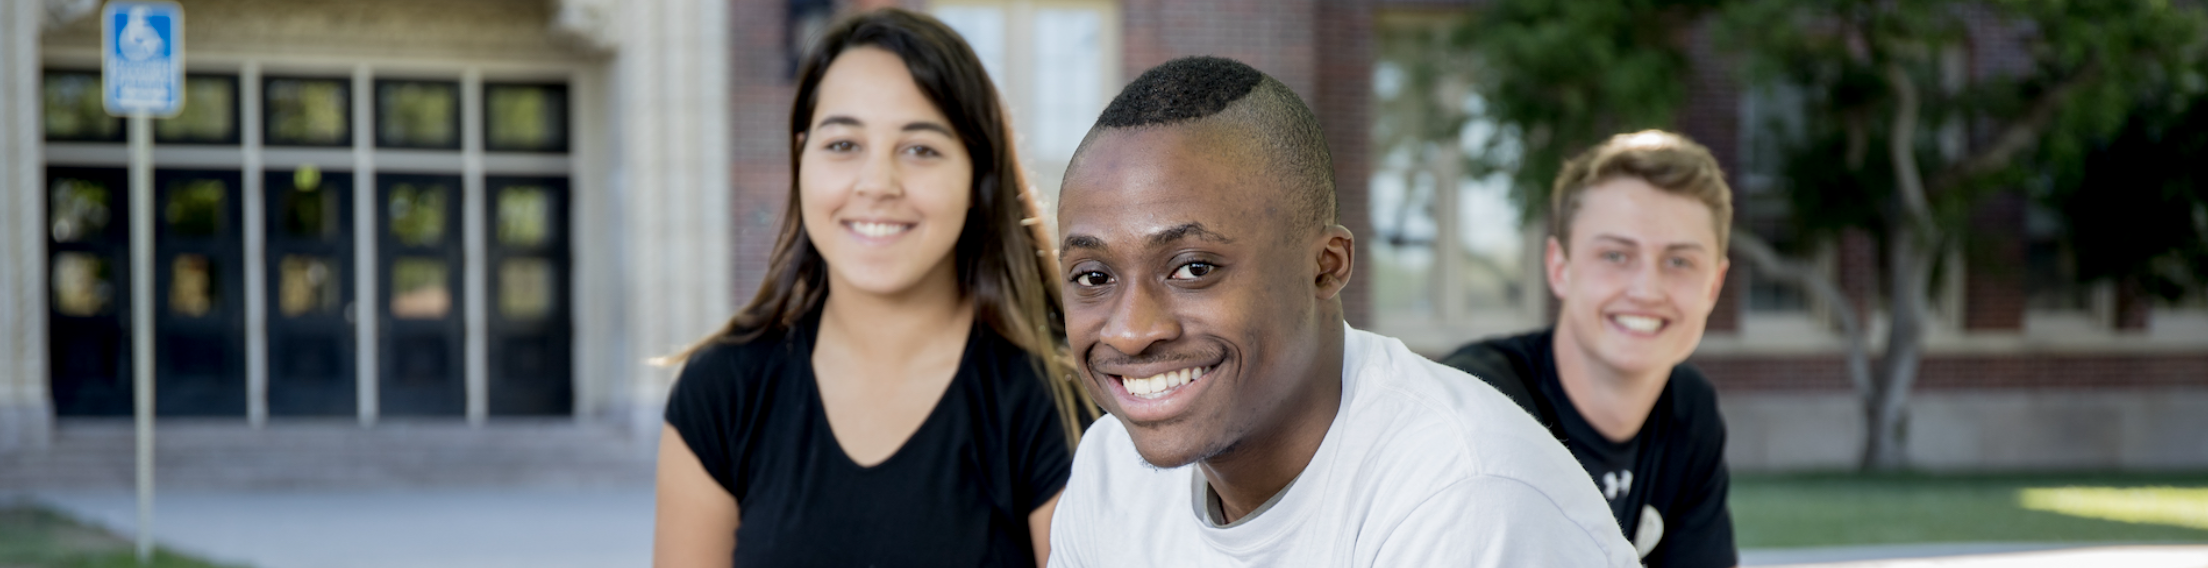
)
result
[(759, 106), (1954, 372), (1278, 37)]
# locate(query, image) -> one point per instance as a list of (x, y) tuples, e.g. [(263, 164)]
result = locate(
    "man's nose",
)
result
[(1647, 282), (1139, 320)]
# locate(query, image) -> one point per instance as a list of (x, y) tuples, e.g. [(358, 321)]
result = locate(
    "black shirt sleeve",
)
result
[(1703, 531), (703, 409)]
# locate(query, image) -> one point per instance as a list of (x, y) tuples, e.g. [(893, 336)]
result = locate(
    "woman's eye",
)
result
[(924, 152), (1193, 270), (1091, 278), (840, 146)]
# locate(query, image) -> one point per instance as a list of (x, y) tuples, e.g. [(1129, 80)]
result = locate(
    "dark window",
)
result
[(418, 114), (528, 265), (88, 279), (73, 111), (209, 116), (524, 117), (307, 111)]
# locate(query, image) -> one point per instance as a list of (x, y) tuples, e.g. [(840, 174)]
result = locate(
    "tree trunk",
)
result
[(1823, 288), (1909, 263)]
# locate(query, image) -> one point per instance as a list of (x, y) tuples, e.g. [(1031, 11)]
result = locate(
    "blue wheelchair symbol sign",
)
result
[(142, 58)]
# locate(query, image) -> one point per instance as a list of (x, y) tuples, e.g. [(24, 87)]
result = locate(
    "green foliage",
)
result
[(2139, 202), (1565, 75)]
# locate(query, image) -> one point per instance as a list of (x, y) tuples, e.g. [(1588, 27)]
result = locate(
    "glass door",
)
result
[(310, 281), (88, 300), (420, 262), (199, 322), (529, 356)]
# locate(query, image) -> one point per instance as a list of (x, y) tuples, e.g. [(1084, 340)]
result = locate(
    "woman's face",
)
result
[(883, 181)]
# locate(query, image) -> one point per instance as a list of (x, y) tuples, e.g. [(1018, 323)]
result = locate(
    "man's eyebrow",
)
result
[(1609, 237), (1186, 230), (1083, 242), (1631, 242), (1169, 235)]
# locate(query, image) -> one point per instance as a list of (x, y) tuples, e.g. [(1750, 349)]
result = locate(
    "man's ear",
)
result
[(1337, 259), (1555, 260)]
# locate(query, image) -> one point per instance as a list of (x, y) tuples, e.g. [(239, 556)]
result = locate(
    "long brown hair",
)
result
[(1002, 262)]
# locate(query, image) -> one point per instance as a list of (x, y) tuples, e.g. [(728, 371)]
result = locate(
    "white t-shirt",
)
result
[(1422, 466)]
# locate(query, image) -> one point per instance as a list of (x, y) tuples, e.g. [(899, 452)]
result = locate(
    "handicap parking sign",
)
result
[(142, 58)]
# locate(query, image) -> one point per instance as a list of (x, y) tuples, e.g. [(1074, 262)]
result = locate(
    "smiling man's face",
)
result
[(1640, 277), (1190, 299)]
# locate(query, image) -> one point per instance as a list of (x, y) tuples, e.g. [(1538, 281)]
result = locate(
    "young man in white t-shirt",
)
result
[(1250, 426)]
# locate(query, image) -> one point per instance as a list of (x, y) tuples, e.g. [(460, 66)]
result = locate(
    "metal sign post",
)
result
[(142, 71)]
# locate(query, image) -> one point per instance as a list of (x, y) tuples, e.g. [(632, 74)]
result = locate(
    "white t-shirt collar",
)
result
[(1280, 515)]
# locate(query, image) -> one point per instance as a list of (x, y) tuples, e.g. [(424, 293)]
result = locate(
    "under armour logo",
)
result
[(1616, 483)]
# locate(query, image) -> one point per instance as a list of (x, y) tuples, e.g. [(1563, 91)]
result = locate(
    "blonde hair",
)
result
[(1669, 161)]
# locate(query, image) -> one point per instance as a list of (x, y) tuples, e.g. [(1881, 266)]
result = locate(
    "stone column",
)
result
[(671, 181), (26, 412)]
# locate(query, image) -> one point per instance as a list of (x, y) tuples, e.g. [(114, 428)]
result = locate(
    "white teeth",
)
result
[(879, 229), (1642, 324), (1155, 386)]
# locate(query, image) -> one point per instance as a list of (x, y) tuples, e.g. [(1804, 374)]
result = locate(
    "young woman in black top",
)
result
[(883, 399)]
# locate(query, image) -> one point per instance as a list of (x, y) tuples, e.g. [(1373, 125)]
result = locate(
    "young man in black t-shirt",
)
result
[(1636, 257)]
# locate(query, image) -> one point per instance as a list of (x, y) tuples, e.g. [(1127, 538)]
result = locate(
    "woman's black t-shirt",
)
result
[(957, 493)]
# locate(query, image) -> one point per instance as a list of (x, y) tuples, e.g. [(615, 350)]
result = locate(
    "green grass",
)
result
[(33, 537), (1778, 511)]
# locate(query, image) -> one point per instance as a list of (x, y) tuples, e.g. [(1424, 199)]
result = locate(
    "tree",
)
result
[(2151, 239), (1881, 108)]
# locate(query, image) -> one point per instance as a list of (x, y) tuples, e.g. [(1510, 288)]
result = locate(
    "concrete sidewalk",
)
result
[(427, 528)]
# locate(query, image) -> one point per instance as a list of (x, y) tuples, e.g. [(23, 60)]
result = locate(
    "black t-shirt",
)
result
[(957, 493), (1675, 466)]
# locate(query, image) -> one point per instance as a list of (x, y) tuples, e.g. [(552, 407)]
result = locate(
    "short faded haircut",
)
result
[(1276, 128), (1668, 161)]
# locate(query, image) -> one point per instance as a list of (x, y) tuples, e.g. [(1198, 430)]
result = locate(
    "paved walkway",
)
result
[(427, 528), (608, 527)]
